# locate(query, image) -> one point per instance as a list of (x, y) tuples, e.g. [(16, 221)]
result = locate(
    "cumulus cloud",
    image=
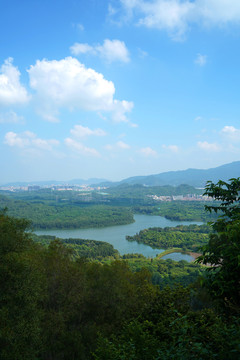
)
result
[(122, 145), (231, 133), (201, 60), (147, 151), (110, 50), (80, 148), (80, 131), (11, 90), (118, 145), (204, 145), (28, 139), (173, 148), (78, 49), (170, 15), (10, 117), (68, 83), (113, 50), (49, 116), (176, 16), (120, 108)]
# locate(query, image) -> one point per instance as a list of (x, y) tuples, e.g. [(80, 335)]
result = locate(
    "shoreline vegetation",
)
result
[(194, 255), (51, 209), (182, 238), (80, 299), (54, 210)]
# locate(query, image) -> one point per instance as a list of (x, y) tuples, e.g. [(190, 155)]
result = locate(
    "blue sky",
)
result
[(117, 88)]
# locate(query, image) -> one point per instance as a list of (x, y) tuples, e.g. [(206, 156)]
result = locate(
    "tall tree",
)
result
[(20, 291), (222, 253)]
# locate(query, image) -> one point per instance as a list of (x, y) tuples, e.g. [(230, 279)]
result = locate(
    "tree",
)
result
[(222, 253), (20, 291)]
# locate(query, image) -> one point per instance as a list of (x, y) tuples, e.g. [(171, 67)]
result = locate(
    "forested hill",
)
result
[(193, 177), (138, 190)]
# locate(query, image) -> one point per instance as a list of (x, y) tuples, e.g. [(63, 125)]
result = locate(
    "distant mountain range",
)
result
[(57, 182), (193, 177)]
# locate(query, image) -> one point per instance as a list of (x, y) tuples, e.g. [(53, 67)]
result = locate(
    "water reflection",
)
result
[(116, 235)]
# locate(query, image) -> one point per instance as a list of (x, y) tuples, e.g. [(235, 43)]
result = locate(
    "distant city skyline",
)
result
[(118, 88)]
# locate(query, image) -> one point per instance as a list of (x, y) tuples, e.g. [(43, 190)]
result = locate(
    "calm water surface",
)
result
[(116, 235)]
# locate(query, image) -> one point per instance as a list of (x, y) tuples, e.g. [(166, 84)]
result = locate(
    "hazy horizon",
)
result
[(117, 88), (94, 178)]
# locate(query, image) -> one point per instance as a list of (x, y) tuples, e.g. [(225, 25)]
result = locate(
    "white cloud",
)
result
[(44, 144), (11, 117), (11, 90), (80, 148), (204, 145), (13, 139), (231, 133), (201, 60), (133, 125), (28, 139), (218, 11), (110, 50), (68, 83), (170, 15), (118, 145), (176, 16), (198, 118), (147, 151), (173, 148), (77, 49), (51, 117), (120, 108), (113, 50), (122, 145), (80, 131)]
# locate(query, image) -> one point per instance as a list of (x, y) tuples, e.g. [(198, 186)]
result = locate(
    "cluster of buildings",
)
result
[(51, 187), (188, 197)]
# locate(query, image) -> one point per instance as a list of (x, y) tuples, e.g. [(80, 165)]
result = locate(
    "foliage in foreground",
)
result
[(171, 329), (53, 307), (222, 252), (163, 272)]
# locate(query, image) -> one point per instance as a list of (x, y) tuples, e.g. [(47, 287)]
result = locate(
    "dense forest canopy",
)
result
[(57, 304), (52, 209), (185, 237), (53, 215)]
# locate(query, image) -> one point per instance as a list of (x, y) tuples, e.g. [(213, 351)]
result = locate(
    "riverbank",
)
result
[(116, 235), (194, 255)]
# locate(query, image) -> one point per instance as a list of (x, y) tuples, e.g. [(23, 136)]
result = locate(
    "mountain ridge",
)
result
[(191, 176)]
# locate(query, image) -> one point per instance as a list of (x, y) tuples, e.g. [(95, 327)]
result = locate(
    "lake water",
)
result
[(116, 235)]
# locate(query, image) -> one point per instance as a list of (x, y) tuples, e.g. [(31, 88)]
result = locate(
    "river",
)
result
[(116, 235)]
